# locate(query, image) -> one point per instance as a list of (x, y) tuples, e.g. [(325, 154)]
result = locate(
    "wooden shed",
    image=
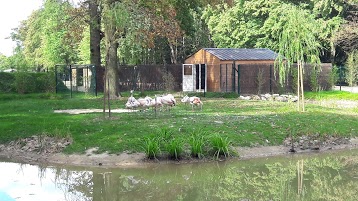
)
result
[(218, 69)]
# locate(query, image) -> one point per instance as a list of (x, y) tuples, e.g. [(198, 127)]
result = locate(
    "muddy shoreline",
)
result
[(138, 160)]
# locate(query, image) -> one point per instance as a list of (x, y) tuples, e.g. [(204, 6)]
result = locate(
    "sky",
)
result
[(12, 12)]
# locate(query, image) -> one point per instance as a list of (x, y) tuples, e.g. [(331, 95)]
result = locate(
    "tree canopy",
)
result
[(167, 31)]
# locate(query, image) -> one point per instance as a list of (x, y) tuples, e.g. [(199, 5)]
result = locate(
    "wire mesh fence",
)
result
[(262, 78), (242, 78), (150, 77), (76, 78)]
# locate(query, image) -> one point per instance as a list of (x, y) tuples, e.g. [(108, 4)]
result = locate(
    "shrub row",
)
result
[(197, 145), (25, 82)]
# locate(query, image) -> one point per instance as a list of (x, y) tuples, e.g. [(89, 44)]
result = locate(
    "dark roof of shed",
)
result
[(242, 53)]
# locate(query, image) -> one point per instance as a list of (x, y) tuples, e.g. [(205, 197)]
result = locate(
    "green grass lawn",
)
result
[(244, 123)]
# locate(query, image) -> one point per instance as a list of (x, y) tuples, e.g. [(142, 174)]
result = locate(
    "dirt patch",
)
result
[(47, 150)]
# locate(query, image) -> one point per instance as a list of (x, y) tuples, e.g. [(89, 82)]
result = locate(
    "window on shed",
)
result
[(188, 70)]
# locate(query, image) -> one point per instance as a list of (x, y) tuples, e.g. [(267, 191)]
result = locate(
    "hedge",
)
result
[(25, 82)]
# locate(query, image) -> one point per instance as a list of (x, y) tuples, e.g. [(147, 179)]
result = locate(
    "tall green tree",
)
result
[(51, 35), (352, 68), (297, 44), (4, 62), (254, 23), (115, 18), (32, 33)]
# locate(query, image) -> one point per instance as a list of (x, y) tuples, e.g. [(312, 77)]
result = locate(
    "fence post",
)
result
[(340, 78), (94, 70), (226, 78), (238, 79), (270, 78), (70, 80), (233, 76), (220, 77), (56, 78)]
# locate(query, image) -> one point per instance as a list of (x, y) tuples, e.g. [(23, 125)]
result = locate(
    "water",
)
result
[(329, 176)]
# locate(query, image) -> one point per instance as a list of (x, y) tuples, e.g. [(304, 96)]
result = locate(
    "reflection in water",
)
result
[(319, 177)]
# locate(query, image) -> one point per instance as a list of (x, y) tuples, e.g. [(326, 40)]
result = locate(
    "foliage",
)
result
[(24, 82), (58, 32), (49, 36), (45, 82), (249, 24), (169, 81), (4, 62), (84, 48), (352, 68), (7, 82), (294, 76), (225, 25), (333, 76), (54, 45), (297, 43), (314, 79)]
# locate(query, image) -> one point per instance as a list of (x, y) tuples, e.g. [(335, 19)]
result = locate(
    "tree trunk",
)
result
[(95, 38), (95, 32), (110, 31), (112, 67), (300, 91), (173, 54)]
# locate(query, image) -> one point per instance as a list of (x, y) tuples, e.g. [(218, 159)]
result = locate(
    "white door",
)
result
[(189, 81)]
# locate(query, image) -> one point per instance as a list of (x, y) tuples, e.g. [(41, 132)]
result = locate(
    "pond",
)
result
[(323, 176)]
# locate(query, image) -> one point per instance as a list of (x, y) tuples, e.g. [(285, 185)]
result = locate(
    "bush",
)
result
[(45, 82), (7, 82), (314, 79), (333, 77), (25, 83), (169, 81), (294, 75)]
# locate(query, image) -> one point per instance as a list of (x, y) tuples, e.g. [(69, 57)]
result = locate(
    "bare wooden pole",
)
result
[(302, 94), (298, 87), (104, 94), (108, 99)]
